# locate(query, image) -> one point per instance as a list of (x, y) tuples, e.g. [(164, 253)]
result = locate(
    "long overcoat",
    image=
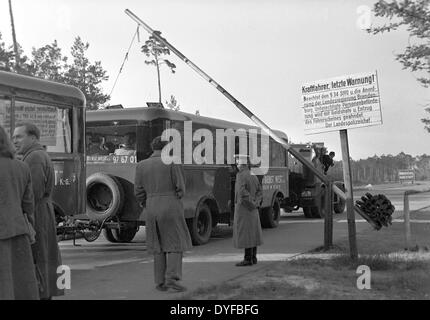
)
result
[(45, 251), (160, 187), (247, 231), (17, 272)]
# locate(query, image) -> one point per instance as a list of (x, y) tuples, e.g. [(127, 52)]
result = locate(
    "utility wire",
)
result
[(125, 58)]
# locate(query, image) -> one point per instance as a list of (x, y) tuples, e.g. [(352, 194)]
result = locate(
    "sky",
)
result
[(262, 52)]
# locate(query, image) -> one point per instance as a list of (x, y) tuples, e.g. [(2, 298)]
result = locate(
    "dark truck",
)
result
[(306, 191)]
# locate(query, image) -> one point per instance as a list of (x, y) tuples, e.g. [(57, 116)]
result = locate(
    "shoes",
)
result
[(176, 287), (244, 263), (161, 287), (254, 260)]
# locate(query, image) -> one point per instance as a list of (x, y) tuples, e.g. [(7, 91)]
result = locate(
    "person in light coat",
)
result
[(159, 188), (247, 233), (17, 272), (45, 251)]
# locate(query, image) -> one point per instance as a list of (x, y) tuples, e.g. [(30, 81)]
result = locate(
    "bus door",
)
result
[(55, 125)]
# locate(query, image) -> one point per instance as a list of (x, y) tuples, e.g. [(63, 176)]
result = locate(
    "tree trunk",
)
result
[(159, 81), (15, 44)]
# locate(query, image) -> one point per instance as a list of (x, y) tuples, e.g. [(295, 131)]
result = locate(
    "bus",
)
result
[(58, 110), (118, 138)]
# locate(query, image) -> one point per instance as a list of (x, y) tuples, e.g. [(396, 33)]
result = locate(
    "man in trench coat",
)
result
[(247, 233), (45, 251), (159, 188)]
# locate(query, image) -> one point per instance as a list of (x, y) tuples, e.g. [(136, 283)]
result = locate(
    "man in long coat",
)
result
[(17, 272), (247, 233), (45, 251), (159, 188)]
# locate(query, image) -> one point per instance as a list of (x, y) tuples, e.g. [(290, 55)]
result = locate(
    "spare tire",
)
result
[(105, 196)]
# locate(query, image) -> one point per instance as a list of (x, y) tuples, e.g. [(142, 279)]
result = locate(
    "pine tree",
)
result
[(157, 49), (86, 76), (6, 56), (48, 62), (173, 103)]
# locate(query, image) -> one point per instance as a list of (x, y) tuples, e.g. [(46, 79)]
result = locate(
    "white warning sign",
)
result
[(339, 103), (44, 117)]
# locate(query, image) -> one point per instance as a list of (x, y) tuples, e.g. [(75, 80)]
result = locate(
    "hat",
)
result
[(241, 159)]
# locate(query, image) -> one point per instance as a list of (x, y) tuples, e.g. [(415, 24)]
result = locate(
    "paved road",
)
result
[(102, 270)]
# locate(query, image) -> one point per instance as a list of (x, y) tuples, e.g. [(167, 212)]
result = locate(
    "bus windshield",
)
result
[(106, 140), (119, 143)]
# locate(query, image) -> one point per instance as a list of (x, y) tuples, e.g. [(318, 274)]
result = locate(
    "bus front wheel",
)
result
[(201, 225), (124, 235), (108, 233)]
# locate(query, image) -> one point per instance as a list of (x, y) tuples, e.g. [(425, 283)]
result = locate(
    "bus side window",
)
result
[(4, 110)]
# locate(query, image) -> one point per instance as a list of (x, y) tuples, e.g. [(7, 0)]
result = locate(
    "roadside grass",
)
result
[(395, 272), (328, 278)]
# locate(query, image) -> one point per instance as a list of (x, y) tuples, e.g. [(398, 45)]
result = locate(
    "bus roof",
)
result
[(149, 113), (40, 85)]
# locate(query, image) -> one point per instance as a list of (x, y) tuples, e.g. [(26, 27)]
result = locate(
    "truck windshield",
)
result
[(108, 140)]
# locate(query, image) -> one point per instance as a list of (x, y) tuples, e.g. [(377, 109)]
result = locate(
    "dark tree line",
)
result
[(385, 168), (48, 62)]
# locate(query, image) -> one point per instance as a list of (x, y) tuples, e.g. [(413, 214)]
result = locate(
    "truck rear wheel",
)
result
[(270, 215), (317, 212), (339, 203), (340, 206), (307, 212), (201, 225)]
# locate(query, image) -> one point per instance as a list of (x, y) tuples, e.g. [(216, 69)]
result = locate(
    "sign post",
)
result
[(349, 195), (338, 104)]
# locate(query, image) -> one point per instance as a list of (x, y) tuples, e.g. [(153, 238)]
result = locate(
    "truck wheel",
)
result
[(201, 225), (125, 235), (108, 233), (115, 236), (270, 215), (307, 212), (340, 206), (317, 212), (105, 196)]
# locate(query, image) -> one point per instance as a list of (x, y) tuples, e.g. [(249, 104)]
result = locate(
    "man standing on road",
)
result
[(45, 251), (159, 188), (247, 231)]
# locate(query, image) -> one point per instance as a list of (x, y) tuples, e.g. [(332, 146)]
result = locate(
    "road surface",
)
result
[(103, 270)]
